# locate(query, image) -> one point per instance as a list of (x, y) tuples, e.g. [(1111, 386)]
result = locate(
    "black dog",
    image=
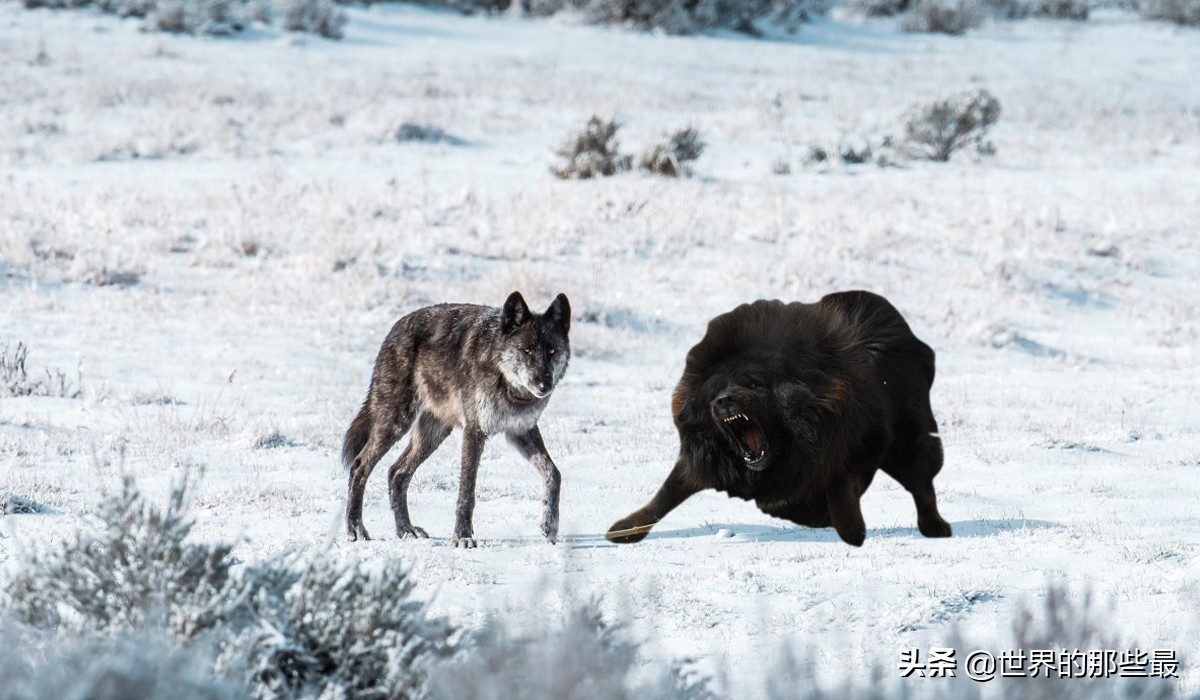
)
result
[(795, 406)]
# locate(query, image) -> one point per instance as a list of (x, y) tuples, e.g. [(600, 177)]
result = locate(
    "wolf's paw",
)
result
[(464, 543), (412, 532), (550, 530), (934, 527), (356, 531)]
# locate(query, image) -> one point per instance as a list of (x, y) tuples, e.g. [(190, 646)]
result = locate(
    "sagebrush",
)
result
[(216, 17), (15, 379), (671, 154), (952, 17), (1185, 13), (939, 129), (592, 152)]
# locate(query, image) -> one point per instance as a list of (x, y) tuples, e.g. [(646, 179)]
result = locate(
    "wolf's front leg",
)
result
[(473, 441), (530, 445)]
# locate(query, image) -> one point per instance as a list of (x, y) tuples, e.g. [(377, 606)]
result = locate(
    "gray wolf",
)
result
[(483, 369), (796, 406)]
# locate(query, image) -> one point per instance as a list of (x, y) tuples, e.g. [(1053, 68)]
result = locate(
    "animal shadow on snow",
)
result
[(741, 532)]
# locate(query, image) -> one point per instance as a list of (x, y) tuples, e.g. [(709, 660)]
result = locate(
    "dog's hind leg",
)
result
[(426, 437), (473, 441), (530, 445), (385, 428), (675, 490), (914, 465)]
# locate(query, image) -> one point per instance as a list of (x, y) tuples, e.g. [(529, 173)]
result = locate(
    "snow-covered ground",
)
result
[(265, 228)]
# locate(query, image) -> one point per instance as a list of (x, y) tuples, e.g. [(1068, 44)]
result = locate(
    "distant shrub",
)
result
[(943, 16), (671, 154), (692, 16), (15, 379), (877, 8), (322, 17), (426, 133), (216, 17), (592, 152), (939, 129), (1078, 10), (1182, 12)]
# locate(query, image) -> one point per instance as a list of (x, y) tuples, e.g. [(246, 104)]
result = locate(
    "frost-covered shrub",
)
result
[(146, 667), (671, 155), (877, 8), (15, 379), (1181, 12), (936, 130), (692, 16), (581, 658), (426, 133), (134, 570), (1053, 9), (290, 629), (593, 152), (212, 17), (943, 16), (321, 17)]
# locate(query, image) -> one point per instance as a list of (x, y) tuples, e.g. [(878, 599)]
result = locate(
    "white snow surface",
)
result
[(269, 229)]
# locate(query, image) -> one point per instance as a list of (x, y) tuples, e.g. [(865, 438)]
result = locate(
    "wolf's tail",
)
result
[(356, 436)]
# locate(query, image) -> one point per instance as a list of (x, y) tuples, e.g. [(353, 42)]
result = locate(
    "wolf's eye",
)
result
[(551, 351), (526, 350), (754, 384)]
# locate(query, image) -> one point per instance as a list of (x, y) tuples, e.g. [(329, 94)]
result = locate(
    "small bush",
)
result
[(593, 152), (937, 130), (16, 381), (1053, 9), (426, 133), (943, 16), (672, 153), (322, 17), (877, 8), (1182, 12), (693, 16)]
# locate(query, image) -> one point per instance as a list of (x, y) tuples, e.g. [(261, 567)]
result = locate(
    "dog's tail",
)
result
[(356, 436)]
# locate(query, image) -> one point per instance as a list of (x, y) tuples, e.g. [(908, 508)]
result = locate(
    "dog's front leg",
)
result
[(530, 445), (473, 440), (675, 490), (845, 513)]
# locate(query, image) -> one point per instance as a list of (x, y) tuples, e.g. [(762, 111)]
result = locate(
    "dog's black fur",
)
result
[(796, 406)]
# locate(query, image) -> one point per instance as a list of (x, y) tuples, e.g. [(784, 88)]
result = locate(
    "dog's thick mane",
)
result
[(816, 344)]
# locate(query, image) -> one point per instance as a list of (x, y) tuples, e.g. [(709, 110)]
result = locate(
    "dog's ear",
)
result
[(559, 312), (515, 314)]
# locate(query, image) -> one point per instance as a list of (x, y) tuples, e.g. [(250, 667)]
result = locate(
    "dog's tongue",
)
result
[(753, 439)]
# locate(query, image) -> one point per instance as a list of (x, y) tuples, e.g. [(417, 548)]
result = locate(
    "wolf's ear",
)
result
[(516, 312), (559, 312)]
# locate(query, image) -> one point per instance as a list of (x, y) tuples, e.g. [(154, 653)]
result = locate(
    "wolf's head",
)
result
[(534, 349)]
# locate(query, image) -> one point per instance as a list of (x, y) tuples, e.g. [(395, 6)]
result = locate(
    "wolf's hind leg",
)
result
[(384, 432), (530, 445), (426, 437)]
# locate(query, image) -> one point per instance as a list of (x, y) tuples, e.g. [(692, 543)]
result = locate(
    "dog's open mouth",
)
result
[(748, 438)]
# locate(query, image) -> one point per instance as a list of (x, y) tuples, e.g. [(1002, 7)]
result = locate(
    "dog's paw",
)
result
[(465, 543), (853, 534), (934, 527), (627, 531), (412, 532)]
